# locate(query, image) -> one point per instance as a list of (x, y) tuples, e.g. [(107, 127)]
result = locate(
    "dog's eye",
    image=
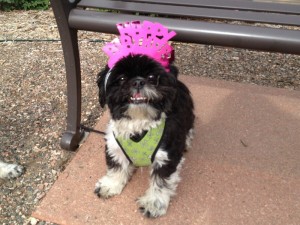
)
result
[(152, 79), (122, 79)]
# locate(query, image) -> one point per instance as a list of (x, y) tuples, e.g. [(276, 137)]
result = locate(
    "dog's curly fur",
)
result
[(140, 93)]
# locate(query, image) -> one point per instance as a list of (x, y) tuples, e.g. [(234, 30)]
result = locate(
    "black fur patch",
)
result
[(111, 164)]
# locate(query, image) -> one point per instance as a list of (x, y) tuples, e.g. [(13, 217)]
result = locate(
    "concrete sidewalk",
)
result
[(243, 168)]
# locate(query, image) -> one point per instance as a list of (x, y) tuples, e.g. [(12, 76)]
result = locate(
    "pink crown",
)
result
[(145, 38)]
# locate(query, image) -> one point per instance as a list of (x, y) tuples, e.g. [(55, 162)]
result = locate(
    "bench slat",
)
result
[(196, 12), (257, 38), (244, 5), (233, 4)]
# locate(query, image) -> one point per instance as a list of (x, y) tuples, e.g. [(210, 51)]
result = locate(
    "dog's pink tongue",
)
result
[(137, 95)]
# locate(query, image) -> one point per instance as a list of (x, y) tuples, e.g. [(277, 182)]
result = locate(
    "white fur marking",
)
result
[(151, 93), (125, 127), (156, 200), (141, 112), (161, 158), (189, 139), (113, 182), (8, 171)]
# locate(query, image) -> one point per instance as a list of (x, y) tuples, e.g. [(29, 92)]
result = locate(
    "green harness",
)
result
[(142, 153)]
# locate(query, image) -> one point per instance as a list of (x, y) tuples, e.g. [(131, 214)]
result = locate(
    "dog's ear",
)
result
[(174, 71), (100, 82)]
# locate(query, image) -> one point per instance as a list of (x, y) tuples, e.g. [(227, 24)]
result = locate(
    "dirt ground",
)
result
[(33, 96)]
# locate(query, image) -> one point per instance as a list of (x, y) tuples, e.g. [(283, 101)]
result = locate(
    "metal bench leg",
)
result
[(72, 136)]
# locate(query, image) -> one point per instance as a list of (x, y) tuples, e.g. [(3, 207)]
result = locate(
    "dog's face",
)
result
[(137, 87)]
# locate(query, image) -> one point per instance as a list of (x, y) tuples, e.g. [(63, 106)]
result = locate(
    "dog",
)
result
[(145, 99), (9, 170)]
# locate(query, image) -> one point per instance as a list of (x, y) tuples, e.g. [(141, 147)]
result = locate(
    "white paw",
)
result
[(107, 187), (153, 206), (9, 171)]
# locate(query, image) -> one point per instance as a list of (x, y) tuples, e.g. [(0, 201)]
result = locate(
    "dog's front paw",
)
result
[(107, 187), (9, 171), (16, 171), (153, 206)]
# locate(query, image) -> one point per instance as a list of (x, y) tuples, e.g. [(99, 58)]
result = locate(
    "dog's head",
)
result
[(137, 87)]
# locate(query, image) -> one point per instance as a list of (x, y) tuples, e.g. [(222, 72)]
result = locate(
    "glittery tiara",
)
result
[(145, 38)]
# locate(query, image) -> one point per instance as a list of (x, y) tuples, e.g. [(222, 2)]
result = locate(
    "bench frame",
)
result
[(71, 16)]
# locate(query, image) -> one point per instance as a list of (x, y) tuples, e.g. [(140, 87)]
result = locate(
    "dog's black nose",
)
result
[(138, 83)]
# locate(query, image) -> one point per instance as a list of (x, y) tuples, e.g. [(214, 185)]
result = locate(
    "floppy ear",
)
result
[(174, 71), (100, 82)]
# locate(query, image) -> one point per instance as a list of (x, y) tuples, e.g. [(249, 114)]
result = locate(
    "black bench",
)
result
[(225, 23)]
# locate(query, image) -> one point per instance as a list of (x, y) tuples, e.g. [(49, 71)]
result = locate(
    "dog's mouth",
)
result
[(138, 98)]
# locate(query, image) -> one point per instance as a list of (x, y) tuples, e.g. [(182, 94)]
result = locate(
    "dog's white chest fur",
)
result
[(126, 127)]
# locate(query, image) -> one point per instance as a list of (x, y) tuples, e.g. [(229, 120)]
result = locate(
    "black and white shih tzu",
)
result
[(151, 125)]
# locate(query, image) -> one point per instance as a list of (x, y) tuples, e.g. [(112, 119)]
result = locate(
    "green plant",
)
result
[(8, 5)]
